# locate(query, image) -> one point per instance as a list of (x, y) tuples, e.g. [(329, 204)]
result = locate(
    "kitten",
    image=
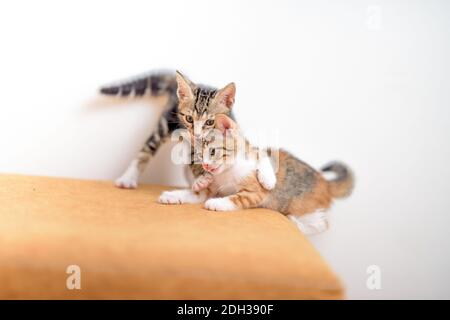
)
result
[(300, 192), (197, 111), (191, 106)]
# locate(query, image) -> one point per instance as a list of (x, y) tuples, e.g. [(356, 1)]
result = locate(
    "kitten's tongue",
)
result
[(210, 169)]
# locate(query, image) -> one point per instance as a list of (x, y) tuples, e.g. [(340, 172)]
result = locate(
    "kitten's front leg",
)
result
[(202, 182), (182, 196), (244, 199), (265, 174), (250, 195), (220, 204)]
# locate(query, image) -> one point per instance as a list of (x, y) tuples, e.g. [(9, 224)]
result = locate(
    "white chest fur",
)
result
[(227, 182)]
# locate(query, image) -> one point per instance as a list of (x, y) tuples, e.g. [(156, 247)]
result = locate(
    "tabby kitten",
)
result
[(204, 100), (300, 192), (197, 111)]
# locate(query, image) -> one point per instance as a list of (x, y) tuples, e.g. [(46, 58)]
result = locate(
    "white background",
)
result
[(366, 82)]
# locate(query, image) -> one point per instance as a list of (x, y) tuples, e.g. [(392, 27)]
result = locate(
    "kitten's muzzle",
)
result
[(209, 168)]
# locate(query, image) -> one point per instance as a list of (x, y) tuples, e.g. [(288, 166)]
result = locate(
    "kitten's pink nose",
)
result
[(206, 166)]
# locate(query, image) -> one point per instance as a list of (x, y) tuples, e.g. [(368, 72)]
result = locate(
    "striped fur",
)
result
[(163, 84), (153, 84), (299, 189)]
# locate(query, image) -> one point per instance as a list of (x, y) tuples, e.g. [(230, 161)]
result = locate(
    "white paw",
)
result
[(127, 181), (220, 204), (267, 178), (170, 197), (311, 223), (180, 196), (201, 183)]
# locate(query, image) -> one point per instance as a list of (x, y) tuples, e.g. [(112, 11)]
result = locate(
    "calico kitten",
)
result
[(182, 94), (300, 192), (197, 111)]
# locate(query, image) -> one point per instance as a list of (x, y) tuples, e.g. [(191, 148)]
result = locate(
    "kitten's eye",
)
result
[(212, 152), (189, 119), (209, 122)]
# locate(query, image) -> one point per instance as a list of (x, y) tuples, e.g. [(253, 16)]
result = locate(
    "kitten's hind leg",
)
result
[(129, 179), (311, 223)]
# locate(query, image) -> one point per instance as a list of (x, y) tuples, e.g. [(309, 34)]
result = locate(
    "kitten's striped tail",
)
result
[(153, 83), (342, 184)]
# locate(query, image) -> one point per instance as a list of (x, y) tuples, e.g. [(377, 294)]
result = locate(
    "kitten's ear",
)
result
[(224, 123), (225, 96), (185, 87)]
